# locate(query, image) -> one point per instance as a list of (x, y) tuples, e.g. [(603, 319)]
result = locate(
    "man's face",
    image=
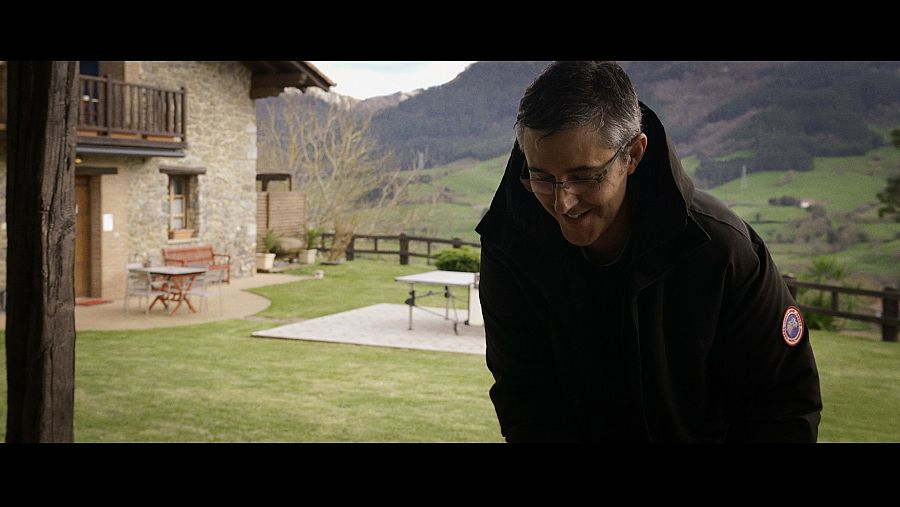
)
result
[(578, 153)]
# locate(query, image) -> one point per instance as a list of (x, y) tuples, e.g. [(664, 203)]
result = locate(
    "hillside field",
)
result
[(845, 187)]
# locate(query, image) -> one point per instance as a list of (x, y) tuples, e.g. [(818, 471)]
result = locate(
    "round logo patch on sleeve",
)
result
[(792, 326)]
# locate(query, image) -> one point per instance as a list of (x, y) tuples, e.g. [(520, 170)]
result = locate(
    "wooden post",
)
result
[(184, 99), (106, 106), (788, 279), (428, 254), (349, 251), (404, 249), (40, 212), (890, 308)]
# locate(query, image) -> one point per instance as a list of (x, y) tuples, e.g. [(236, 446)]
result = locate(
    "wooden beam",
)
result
[(184, 171), (83, 170), (287, 79), (263, 92), (40, 211)]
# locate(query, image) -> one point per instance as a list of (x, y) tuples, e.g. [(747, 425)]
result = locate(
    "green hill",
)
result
[(841, 189), (471, 116), (465, 191), (775, 115)]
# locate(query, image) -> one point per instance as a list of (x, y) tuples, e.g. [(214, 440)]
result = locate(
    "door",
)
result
[(82, 236)]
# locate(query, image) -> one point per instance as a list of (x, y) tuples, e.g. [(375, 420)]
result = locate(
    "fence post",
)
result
[(428, 254), (404, 249), (788, 280), (890, 309), (349, 251)]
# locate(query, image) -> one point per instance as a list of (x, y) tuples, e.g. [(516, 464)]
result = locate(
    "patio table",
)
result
[(178, 284), (449, 279)]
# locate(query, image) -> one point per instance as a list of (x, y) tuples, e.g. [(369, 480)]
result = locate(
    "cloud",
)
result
[(373, 78)]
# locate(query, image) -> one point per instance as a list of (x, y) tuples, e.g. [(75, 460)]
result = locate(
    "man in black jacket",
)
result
[(620, 304)]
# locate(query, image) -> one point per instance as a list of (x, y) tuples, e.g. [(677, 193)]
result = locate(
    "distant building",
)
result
[(166, 155)]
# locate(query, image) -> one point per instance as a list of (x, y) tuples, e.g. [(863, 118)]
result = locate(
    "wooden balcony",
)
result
[(114, 116), (116, 113)]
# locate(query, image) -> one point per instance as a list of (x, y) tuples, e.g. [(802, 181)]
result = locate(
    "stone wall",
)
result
[(221, 137)]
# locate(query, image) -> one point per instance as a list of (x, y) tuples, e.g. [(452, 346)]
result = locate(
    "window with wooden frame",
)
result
[(179, 202), (183, 201)]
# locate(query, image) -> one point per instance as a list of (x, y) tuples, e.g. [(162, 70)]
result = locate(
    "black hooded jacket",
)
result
[(686, 339)]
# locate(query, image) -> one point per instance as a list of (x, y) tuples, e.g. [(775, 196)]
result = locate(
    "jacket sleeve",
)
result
[(526, 394), (771, 380)]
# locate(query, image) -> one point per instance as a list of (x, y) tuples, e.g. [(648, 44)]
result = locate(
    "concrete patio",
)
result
[(237, 303), (386, 325)]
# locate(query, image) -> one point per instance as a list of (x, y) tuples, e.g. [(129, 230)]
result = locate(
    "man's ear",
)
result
[(636, 153)]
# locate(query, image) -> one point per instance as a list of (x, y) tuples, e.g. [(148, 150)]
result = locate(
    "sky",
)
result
[(362, 80)]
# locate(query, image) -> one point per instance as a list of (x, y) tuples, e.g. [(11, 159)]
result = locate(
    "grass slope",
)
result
[(214, 383)]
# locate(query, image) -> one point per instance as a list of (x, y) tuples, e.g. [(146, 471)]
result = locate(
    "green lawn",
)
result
[(860, 382), (214, 383), (346, 286)]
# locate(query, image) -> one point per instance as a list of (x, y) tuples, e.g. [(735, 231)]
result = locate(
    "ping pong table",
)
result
[(449, 280)]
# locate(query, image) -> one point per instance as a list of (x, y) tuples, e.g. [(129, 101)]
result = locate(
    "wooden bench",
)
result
[(198, 255)]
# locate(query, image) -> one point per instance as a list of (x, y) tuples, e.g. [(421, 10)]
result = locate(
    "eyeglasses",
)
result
[(574, 186)]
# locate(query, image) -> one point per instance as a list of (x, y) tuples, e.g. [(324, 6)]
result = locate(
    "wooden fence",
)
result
[(890, 305), (889, 319), (404, 251)]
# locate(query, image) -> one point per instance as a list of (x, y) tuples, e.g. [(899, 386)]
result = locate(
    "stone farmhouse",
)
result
[(166, 155)]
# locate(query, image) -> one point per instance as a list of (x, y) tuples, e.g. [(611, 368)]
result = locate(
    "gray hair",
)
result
[(578, 94)]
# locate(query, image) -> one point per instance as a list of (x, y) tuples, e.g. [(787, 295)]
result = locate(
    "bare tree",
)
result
[(351, 188)]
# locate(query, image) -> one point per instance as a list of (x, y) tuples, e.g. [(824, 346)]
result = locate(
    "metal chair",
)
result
[(141, 285), (201, 287)]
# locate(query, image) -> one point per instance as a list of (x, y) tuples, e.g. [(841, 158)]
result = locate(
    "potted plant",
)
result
[(312, 238), (265, 261)]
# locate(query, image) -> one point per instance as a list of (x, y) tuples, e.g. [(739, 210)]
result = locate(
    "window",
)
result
[(182, 200), (179, 202)]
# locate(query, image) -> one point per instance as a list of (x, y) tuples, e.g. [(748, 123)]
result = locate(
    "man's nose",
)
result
[(563, 200)]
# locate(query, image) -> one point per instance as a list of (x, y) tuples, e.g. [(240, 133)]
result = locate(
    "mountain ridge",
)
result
[(711, 109)]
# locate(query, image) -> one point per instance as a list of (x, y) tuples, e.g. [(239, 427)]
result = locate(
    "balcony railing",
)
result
[(125, 112), (114, 112)]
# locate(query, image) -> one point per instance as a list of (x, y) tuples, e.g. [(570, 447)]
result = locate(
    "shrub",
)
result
[(785, 200), (459, 259), (312, 238), (271, 241), (829, 271)]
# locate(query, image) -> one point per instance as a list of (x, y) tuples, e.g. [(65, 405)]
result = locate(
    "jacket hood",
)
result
[(663, 190)]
